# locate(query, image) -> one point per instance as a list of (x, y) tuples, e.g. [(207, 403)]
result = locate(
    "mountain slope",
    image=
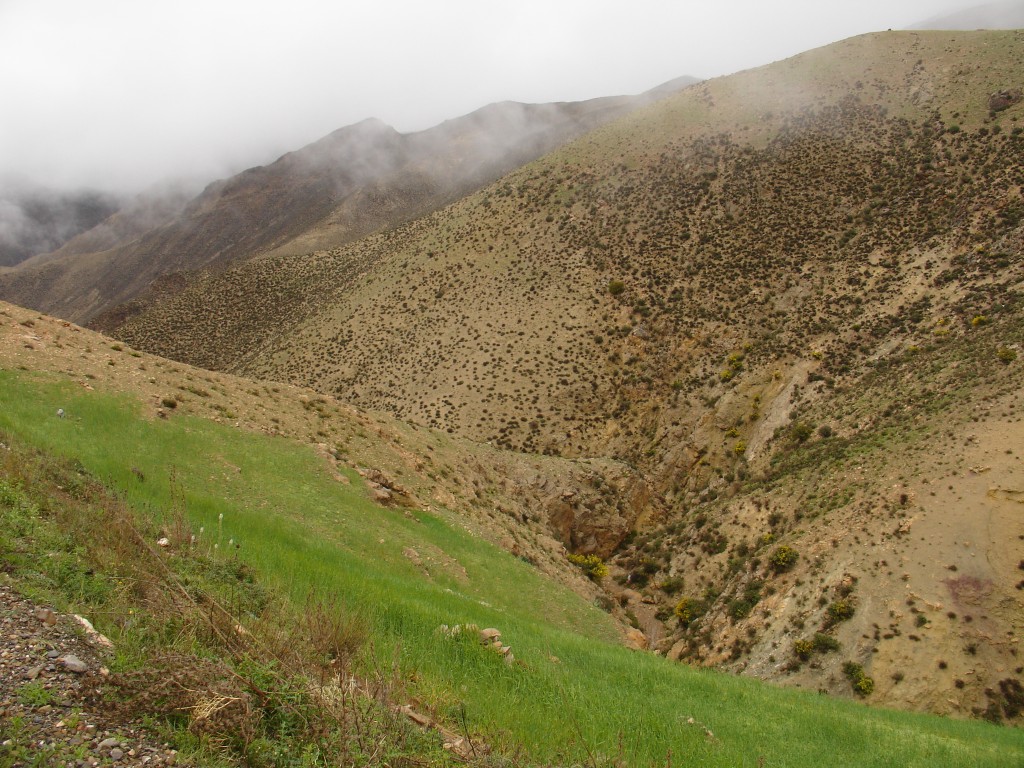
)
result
[(755, 293), (357, 180), (155, 207), (281, 581), (700, 206)]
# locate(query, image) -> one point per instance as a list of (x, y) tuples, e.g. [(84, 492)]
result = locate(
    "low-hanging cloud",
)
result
[(118, 94), (35, 220)]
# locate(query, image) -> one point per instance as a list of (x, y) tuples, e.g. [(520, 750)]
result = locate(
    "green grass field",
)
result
[(573, 695)]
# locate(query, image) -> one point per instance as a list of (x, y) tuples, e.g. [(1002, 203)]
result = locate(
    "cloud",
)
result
[(118, 93)]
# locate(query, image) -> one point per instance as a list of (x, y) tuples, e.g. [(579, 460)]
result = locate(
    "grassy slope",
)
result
[(303, 530)]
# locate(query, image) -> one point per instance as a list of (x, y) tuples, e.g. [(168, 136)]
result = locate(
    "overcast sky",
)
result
[(121, 93)]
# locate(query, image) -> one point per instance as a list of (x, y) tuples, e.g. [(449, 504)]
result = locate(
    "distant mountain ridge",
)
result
[(355, 181)]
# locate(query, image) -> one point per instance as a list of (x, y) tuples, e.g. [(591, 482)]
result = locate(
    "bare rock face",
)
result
[(1005, 99), (595, 520)]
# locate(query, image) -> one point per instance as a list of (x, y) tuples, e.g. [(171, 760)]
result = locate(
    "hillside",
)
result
[(263, 595), (355, 181), (789, 299)]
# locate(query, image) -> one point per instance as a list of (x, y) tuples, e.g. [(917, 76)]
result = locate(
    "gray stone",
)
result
[(74, 664), (33, 673)]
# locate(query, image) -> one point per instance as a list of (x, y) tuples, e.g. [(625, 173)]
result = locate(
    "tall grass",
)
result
[(572, 695)]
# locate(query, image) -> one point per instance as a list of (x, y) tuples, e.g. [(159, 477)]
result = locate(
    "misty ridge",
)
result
[(445, 161), (37, 220), (351, 183), (1007, 14), (355, 181), (448, 160), (152, 208)]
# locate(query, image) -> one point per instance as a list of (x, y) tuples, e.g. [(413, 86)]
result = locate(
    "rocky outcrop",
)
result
[(1005, 99), (593, 510), (386, 491)]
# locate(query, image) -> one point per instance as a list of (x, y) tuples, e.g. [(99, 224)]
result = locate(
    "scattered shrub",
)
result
[(1013, 697), (616, 287), (1006, 355), (825, 643), (783, 558), (839, 610), (861, 683), (864, 686), (591, 565), (689, 609), (801, 431), (803, 648), (672, 585), (740, 608), (820, 643)]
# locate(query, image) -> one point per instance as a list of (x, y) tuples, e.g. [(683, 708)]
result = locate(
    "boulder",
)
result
[(636, 639), (489, 635), (74, 664), (676, 651)]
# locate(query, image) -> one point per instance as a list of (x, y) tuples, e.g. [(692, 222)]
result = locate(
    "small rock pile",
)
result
[(490, 638), (49, 669)]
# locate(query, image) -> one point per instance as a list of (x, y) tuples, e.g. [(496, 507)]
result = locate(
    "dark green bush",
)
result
[(839, 610), (783, 558), (591, 565), (824, 643), (689, 609)]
